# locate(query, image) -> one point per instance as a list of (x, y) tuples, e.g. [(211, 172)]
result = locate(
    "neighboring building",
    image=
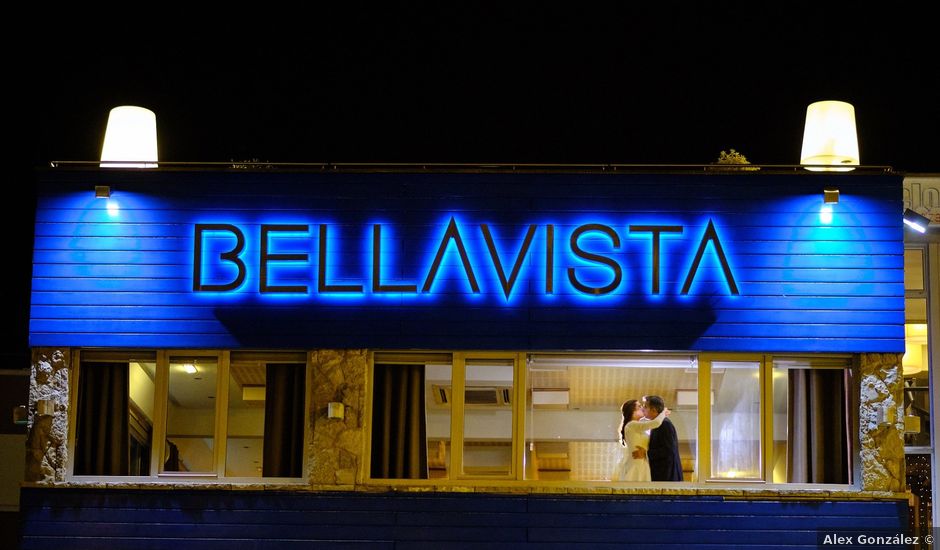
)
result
[(922, 310), (372, 355)]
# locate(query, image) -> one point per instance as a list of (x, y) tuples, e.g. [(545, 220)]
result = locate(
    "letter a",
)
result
[(710, 235)]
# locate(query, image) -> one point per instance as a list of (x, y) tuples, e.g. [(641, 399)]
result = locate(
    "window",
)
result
[(115, 412), (205, 414), (444, 416), (916, 362), (191, 415), (488, 416), (736, 420), (555, 417), (812, 413), (573, 411), (265, 430), (411, 416)]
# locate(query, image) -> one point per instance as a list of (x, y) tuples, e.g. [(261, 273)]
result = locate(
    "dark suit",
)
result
[(663, 453)]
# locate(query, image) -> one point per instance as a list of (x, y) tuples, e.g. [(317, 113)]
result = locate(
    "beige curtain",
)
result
[(818, 434), (399, 423)]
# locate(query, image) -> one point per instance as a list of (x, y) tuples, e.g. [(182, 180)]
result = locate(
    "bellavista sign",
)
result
[(485, 261), (507, 269)]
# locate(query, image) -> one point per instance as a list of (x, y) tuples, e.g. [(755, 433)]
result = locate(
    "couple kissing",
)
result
[(651, 446)]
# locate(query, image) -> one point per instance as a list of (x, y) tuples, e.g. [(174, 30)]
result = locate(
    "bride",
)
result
[(634, 433)]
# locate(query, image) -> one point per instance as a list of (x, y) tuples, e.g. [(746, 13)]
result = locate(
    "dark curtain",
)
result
[(817, 435), (102, 447), (284, 420), (399, 423)]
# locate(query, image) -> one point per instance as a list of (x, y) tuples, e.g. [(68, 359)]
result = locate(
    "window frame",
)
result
[(704, 360), (161, 395), (765, 391), (928, 257)]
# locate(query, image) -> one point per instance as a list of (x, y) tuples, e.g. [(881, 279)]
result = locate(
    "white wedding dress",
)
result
[(636, 434)]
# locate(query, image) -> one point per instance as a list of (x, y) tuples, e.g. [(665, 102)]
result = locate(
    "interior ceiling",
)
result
[(606, 388), (193, 391), (248, 373)]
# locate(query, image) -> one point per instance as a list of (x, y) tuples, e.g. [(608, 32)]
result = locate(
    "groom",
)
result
[(663, 452)]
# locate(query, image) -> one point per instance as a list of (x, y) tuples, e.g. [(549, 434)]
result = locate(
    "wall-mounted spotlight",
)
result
[(104, 192), (916, 221), (831, 196)]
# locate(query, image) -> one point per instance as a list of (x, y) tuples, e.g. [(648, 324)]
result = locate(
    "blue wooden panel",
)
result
[(844, 316), (182, 519), (124, 275)]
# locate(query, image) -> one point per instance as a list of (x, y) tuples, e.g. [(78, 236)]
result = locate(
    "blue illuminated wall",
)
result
[(746, 262)]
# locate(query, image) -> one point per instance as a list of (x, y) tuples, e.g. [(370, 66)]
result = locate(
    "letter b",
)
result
[(230, 256)]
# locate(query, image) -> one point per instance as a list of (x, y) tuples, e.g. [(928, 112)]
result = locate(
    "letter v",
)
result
[(507, 284)]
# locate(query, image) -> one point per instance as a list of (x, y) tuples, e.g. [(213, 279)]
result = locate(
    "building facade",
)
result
[(433, 357)]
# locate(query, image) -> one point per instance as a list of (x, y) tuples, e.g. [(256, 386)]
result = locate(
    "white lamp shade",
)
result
[(829, 136), (130, 140)]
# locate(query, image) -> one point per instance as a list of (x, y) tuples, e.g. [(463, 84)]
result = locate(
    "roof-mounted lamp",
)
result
[(130, 140), (829, 137)]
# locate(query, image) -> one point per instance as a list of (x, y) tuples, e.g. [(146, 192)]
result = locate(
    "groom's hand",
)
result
[(640, 452)]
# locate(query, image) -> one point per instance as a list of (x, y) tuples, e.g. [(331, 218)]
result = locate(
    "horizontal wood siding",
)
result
[(124, 277), (209, 519)]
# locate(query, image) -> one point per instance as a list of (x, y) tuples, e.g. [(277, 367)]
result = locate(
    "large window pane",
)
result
[(190, 416), (265, 416), (736, 444), (399, 434), (488, 418), (411, 411), (114, 421), (245, 434), (438, 397), (914, 269), (916, 369), (573, 411), (812, 420)]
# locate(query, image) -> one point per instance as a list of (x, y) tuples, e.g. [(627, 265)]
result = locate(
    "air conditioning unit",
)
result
[(477, 396), (545, 398), (687, 399)]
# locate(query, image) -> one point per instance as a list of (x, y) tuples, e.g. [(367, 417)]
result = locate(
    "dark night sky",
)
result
[(652, 85), (672, 84)]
